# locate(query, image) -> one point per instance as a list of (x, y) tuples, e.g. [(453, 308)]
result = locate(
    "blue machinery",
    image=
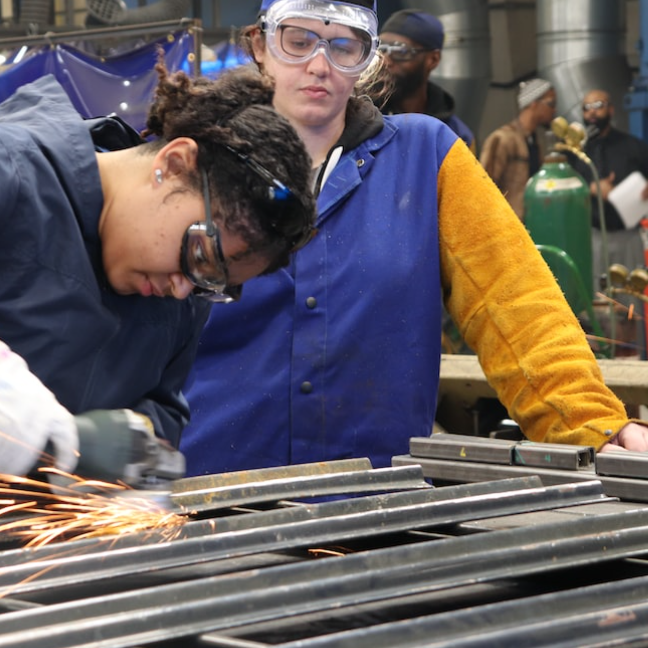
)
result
[(636, 101)]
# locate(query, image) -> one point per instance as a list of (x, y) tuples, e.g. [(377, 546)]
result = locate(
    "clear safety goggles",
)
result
[(294, 44), (201, 255), (202, 260), (594, 105), (204, 265), (401, 53)]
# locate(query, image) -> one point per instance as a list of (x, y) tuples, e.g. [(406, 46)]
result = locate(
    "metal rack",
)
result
[(111, 33)]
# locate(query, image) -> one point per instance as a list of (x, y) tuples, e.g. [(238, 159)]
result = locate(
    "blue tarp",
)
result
[(122, 84)]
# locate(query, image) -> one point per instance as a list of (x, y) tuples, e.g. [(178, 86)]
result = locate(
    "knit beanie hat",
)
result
[(530, 91), (421, 27), (369, 4)]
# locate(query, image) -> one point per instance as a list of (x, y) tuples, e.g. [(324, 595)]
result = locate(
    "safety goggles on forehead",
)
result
[(202, 260), (292, 43)]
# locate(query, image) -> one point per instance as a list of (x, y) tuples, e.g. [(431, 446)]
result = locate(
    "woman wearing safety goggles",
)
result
[(343, 356)]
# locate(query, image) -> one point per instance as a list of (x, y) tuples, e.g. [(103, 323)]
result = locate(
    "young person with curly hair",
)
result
[(114, 248)]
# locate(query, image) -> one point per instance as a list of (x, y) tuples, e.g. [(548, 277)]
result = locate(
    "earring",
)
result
[(159, 176)]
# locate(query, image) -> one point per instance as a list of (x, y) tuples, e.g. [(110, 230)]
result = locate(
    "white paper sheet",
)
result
[(626, 197)]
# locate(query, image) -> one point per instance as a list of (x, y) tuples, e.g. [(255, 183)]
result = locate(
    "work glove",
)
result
[(30, 418)]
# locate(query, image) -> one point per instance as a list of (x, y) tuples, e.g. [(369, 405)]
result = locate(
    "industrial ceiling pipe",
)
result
[(581, 46)]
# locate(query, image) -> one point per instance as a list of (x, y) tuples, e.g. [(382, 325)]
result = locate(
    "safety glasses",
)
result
[(399, 52), (202, 259), (201, 255), (594, 105), (297, 45)]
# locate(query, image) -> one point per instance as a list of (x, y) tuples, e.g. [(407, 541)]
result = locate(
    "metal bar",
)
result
[(16, 604), (460, 447), (623, 464), (69, 11), (602, 614), (553, 455), (263, 474), (632, 490), (206, 605), (273, 490), (463, 448), (111, 565), (284, 516), (82, 34), (230, 642), (197, 33)]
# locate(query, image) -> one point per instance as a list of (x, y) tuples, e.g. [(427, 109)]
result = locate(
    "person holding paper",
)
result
[(617, 156)]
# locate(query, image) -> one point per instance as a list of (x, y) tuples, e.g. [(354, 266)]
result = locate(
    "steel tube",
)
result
[(112, 564), (206, 605)]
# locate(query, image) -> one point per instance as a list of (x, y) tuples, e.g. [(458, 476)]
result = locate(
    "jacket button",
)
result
[(360, 163), (306, 387), (311, 302)]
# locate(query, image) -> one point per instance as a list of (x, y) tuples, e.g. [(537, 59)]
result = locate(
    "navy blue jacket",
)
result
[(93, 348)]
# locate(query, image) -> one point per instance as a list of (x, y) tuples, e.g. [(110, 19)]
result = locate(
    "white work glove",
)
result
[(30, 416)]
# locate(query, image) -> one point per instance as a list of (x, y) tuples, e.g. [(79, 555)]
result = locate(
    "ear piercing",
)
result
[(159, 176)]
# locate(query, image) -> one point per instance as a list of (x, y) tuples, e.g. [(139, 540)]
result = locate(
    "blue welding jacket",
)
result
[(325, 360)]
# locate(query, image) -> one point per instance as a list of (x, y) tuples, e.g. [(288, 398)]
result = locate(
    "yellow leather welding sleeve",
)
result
[(511, 311)]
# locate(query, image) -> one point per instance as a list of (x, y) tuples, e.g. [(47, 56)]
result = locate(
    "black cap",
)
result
[(420, 27)]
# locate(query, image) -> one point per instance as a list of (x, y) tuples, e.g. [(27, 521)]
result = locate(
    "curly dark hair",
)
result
[(231, 119)]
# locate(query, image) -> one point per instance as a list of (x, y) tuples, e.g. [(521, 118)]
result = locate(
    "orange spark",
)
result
[(84, 509)]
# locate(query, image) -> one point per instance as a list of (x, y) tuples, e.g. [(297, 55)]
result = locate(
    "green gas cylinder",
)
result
[(557, 214)]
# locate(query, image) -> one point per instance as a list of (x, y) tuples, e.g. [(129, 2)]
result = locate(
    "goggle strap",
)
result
[(277, 190)]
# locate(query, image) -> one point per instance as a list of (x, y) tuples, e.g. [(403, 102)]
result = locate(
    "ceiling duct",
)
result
[(581, 47)]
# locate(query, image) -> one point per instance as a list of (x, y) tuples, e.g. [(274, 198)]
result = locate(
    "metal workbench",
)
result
[(386, 560)]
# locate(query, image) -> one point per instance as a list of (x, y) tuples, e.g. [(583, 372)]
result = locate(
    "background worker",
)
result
[(514, 152), (412, 43), (102, 254), (615, 155), (338, 355)]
